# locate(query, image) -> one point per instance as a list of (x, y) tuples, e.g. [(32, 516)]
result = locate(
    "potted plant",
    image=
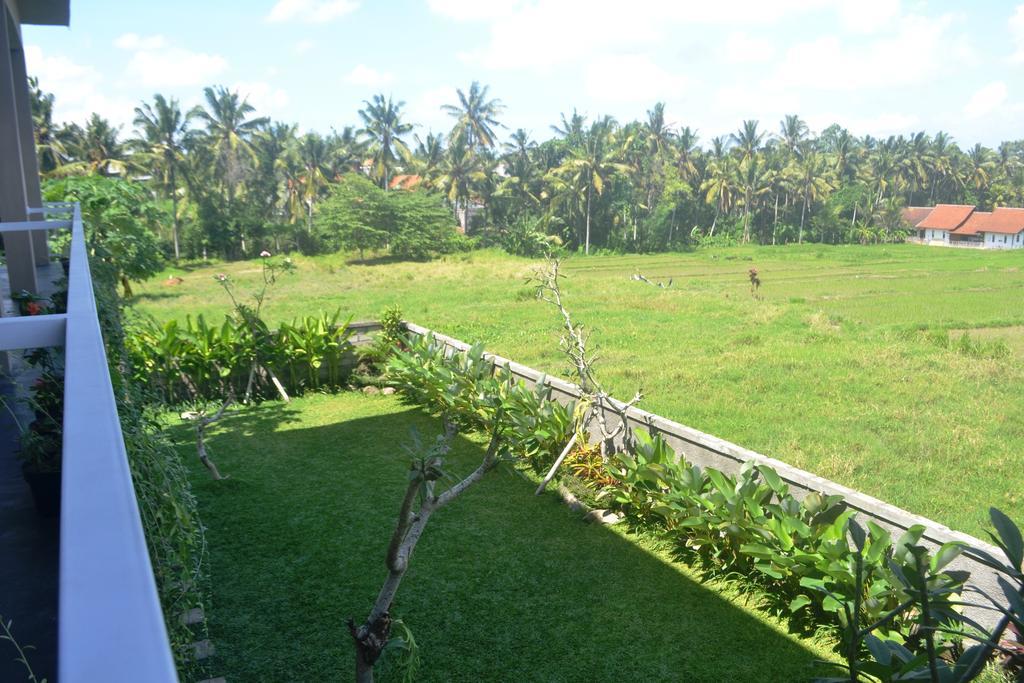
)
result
[(30, 304), (40, 455), (41, 442)]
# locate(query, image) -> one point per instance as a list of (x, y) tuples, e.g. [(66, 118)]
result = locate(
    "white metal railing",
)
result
[(110, 624)]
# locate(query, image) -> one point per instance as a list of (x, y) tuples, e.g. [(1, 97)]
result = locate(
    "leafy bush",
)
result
[(466, 387), (525, 237), (119, 218), (198, 360), (410, 224)]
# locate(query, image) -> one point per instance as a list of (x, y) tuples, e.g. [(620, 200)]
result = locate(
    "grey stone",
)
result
[(371, 390), (202, 649), (603, 517), (192, 616), (387, 391)]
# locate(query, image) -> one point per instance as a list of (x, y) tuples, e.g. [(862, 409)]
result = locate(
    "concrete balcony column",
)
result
[(18, 246), (29, 160)]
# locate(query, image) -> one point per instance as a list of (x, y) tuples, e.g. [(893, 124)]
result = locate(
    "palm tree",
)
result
[(383, 130), (164, 129), (521, 173), (719, 188), (793, 131), (229, 134), (978, 170), (460, 169), (591, 165), (687, 153), (748, 142), (657, 132), (812, 182), (428, 157), (571, 129), (96, 150), (49, 147), (748, 139), (313, 154), (476, 116)]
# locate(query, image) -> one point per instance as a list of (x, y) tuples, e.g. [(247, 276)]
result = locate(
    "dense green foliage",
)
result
[(119, 218), (357, 215), (467, 389), (198, 361), (238, 183), (503, 579)]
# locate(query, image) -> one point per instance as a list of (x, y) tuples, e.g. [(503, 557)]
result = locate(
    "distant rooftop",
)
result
[(964, 219)]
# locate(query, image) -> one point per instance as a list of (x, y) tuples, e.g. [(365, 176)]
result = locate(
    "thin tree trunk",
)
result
[(586, 249), (174, 215), (746, 215), (803, 213), (775, 223)]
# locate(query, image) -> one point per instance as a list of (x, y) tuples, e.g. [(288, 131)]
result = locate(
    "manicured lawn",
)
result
[(503, 586), (826, 370)]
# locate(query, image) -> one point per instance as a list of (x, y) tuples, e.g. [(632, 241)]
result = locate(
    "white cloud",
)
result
[(311, 11), (133, 41), (868, 16), (917, 49), (1016, 24), (268, 99), (741, 48), (369, 77), (156, 64), (986, 100), (78, 89), (473, 10), (425, 109), (304, 46), (880, 125), (563, 31), (631, 78)]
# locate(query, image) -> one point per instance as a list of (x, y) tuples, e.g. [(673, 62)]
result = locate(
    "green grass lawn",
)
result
[(504, 585), (825, 370)]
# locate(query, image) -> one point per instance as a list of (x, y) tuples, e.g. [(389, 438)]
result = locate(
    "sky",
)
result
[(877, 67)]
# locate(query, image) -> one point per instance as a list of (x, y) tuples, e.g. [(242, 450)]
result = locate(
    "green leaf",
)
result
[(1009, 537), (799, 602), (946, 554)]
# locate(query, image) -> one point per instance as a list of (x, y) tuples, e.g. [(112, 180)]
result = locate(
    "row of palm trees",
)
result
[(234, 181)]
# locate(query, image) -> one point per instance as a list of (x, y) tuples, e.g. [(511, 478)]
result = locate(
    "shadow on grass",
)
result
[(152, 296), (503, 586)]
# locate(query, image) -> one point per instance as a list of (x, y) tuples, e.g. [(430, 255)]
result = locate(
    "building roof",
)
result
[(978, 222), (1005, 221), (915, 214), (404, 182), (946, 217)]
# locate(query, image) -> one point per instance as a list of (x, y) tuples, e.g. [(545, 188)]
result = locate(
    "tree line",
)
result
[(233, 183)]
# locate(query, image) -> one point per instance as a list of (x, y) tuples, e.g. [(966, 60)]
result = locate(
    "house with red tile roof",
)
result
[(962, 225)]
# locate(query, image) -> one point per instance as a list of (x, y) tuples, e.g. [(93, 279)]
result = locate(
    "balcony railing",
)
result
[(110, 624)]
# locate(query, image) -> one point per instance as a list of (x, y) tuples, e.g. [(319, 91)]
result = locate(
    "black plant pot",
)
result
[(45, 491), (65, 263)]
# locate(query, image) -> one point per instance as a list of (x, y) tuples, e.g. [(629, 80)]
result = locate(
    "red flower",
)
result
[(33, 308)]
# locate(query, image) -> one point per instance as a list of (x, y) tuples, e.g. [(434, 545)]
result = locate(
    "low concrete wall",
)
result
[(710, 451)]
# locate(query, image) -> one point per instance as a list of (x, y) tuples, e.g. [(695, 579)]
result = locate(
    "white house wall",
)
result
[(1001, 241)]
